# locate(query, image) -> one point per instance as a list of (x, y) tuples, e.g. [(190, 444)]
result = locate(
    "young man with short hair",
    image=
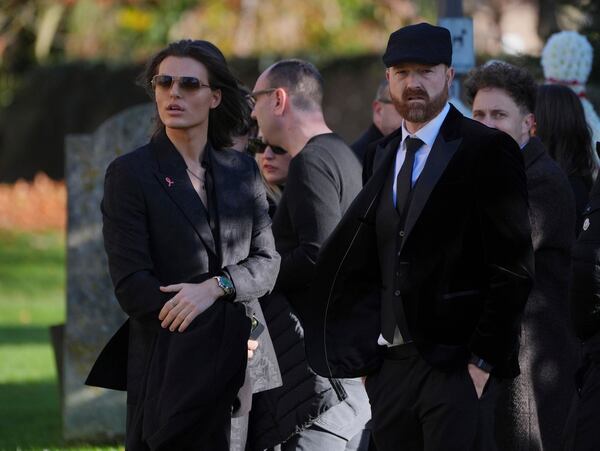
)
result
[(535, 407)]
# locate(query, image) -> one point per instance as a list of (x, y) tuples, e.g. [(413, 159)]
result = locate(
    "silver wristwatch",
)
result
[(225, 284)]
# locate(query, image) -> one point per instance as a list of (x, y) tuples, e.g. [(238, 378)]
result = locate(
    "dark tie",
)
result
[(404, 179), (403, 197)]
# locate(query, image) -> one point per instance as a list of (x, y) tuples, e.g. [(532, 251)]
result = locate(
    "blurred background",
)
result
[(66, 66)]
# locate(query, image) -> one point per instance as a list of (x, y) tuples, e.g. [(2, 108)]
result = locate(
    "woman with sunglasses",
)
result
[(189, 245), (273, 163)]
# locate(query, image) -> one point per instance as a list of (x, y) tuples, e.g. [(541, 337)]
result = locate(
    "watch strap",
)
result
[(481, 363)]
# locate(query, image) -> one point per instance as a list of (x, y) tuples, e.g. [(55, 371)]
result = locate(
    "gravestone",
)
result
[(93, 314)]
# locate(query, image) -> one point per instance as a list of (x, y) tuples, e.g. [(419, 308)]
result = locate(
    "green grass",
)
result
[(32, 298)]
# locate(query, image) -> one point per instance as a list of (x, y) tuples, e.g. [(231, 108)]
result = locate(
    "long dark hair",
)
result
[(561, 125), (229, 115)]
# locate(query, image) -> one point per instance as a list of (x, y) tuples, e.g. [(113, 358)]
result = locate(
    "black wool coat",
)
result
[(533, 412), (181, 386)]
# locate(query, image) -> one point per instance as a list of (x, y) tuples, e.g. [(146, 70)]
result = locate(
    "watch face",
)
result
[(226, 284)]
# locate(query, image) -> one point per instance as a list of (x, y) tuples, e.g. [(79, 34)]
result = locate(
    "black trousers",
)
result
[(582, 432), (417, 407), (194, 439)]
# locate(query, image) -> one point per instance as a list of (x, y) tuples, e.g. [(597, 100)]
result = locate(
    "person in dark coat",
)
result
[(190, 249), (278, 414), (311, 413), (561, 126), (421, 286), (533, 412), (385, 120), (582, 432)]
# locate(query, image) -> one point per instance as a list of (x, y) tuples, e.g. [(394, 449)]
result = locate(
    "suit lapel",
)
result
[(382, 163), (445, 146), (385, 147), (172, 175)]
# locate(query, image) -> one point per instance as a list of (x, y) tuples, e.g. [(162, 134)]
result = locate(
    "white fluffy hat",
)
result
[(567, 57)]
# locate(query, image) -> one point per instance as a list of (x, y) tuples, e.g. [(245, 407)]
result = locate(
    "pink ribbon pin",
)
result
[(169, 181)]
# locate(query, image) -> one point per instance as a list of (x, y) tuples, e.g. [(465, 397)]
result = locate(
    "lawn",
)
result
[(32, 297)]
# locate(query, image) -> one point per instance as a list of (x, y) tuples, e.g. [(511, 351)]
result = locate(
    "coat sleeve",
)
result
[(255, 276), (367, 163), (126, 241), (506, 239), (552, 212), (314, 209)]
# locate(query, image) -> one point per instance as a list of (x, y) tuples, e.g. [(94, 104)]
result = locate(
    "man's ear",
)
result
[(449, 76), (528, 122), (281, 101), (377, 107)]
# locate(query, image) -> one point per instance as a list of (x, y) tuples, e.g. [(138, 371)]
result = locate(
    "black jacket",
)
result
[(360, 146), (157, 232), (585, 271), (534, 408), (465, 266), (581, 189)]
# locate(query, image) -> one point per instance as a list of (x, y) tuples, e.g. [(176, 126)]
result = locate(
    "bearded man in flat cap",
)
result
[(422, 284)]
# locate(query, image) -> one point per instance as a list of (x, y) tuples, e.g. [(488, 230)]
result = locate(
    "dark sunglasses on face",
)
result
[(185, 83), (257, 145)]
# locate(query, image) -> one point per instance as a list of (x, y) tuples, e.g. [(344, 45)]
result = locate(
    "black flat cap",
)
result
[(421, 43)]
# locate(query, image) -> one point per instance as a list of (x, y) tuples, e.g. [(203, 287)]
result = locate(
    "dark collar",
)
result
[(451, 129), (383, 142), (533, 150), (168, 157), (372, 134)]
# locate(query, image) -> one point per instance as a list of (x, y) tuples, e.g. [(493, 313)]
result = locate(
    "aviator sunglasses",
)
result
[(185, 83), (257, 145)]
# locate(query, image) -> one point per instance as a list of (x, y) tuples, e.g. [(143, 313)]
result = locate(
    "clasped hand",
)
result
[(191, 300)]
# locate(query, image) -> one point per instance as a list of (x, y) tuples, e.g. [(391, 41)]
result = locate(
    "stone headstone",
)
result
[(93, 314)]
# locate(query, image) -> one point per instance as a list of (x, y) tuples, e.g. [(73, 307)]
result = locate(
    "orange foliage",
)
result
[(33, 206)]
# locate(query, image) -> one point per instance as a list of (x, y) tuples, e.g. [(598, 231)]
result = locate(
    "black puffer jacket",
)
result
[(279, 413)]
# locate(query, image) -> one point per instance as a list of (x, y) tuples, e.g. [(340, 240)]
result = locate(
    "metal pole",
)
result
[(450, 8), (453, 9)]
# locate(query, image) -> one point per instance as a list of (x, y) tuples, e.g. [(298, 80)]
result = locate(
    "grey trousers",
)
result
[(316, 438), (239, 433)]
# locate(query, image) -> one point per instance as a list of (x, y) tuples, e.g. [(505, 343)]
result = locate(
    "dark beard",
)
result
[(420, 113)]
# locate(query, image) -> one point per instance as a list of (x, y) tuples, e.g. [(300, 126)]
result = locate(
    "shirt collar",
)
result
[(524, 145), (429, 132)]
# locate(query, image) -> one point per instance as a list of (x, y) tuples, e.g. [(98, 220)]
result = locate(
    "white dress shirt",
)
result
[(427, 134)]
